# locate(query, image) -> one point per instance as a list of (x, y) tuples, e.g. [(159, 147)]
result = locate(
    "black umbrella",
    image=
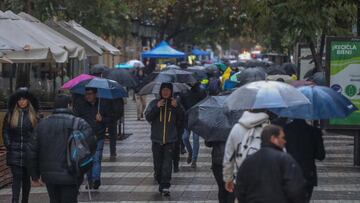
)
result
[(199, 72), (289, 68), (275, 70), (210, 120), (318, 78), (212, 70), (251, 75), (99, 69), (123, 77), (257, 63), (154, 88), (175, 75), (310, 73), (169, 67)]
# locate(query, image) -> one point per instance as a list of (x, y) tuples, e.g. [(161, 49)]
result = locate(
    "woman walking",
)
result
[(18, 126)]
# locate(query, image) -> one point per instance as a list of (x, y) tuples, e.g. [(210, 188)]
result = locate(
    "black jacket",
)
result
[(305, 144), (165, 121), (217, 153), (16, 139), (189, 99), (47, 149), (270, 175), (88, 112)]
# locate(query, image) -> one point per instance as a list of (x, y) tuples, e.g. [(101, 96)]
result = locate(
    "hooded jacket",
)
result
[(16, 139), (249, 124), (165, 121)]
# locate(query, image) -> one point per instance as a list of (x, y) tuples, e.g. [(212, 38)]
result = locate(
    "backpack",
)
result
[(78, 154), (214, 86)]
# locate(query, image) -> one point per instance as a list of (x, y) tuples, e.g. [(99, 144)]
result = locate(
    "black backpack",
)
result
[(78, 154)]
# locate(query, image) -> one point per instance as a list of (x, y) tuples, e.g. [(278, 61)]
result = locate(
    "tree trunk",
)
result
[(358, 19), (314, 54), (27, 6)]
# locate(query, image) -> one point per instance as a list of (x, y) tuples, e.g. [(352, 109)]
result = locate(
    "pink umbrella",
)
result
[(71, 83), (299, 83)]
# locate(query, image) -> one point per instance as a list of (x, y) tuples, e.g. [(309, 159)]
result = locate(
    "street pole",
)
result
[(357, 132)]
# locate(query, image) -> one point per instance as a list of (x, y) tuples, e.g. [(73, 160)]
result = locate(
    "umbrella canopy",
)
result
[(289, 68), (123, 77), (235, 77), (136, 63), (221, 66), (256, 63), (198, 52), (106, 89), (99, 69), (71, 83), (210, 120), (154, 88), (174, 75), (280, 78), (299, 83), (325, 103), (318, 78), (275, 70), (265, 95), (251, 75), (34, 45), (74, 49), (163, 50), (199, 74), (124, 66), (212, 70)]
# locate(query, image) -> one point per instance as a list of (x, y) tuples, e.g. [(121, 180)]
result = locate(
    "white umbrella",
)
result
[(136, 63)]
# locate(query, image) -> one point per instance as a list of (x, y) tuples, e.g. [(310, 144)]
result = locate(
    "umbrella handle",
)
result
[(99, 105)]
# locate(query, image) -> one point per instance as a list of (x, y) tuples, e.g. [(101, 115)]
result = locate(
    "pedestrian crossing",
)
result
[(129, 179)]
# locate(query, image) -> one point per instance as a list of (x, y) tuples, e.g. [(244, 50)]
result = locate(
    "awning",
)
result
[(93, 44), (33, 47), (163, 50), (74, 49), (198, 52)]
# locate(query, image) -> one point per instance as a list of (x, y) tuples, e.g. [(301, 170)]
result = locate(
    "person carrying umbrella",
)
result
[(164, 115), (140, 99), (97, 115)]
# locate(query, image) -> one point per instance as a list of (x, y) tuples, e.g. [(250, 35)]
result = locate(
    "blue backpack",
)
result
[(79, 157)]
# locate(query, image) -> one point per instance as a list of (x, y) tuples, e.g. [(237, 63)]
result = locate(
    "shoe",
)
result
[(189, 158), (193, 164), (166, 192), (96, 184), (176, 169), (89, 186), (138, 119)]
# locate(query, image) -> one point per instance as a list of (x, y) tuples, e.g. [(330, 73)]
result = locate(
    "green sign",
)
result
[(344, 68)]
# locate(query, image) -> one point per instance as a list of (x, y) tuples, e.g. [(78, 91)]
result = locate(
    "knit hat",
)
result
[(166, 85)]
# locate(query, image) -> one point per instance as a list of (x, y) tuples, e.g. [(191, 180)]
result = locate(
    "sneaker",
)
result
[(189, 158), (113, 158), (193, 164), (166, 192), (96, 184), (183, 151), (176, 169), (89, 186)]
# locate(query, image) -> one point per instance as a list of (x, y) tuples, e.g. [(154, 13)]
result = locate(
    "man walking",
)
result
[(47, 157), (164, 115), (97, 115), (270, 175)]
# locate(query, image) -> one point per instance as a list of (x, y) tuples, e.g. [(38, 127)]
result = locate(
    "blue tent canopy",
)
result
[(163, 50), (198, 52)]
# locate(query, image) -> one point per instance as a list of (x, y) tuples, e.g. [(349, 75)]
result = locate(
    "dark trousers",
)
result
[(223, 195), (176, 154), (113, 133), (309, 188), (163, 156), (62, 193), (21, 179)]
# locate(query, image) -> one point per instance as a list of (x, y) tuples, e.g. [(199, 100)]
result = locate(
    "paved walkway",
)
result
[(130, 177)]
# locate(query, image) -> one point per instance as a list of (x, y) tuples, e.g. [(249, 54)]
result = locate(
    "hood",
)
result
[(166, 85), (250, 120), (23, 92)]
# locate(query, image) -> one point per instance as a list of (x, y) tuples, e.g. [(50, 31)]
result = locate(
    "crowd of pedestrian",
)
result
[(259, 162)]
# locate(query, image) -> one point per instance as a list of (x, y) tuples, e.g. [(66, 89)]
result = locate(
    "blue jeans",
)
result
[(94, 173), (195, 148)]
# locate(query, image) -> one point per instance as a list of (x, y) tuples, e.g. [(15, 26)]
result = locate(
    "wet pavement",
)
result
[(130, 177)]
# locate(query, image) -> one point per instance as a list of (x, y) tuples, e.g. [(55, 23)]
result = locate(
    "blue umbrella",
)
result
[(325, 103), (106, 89), (124, 66)]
